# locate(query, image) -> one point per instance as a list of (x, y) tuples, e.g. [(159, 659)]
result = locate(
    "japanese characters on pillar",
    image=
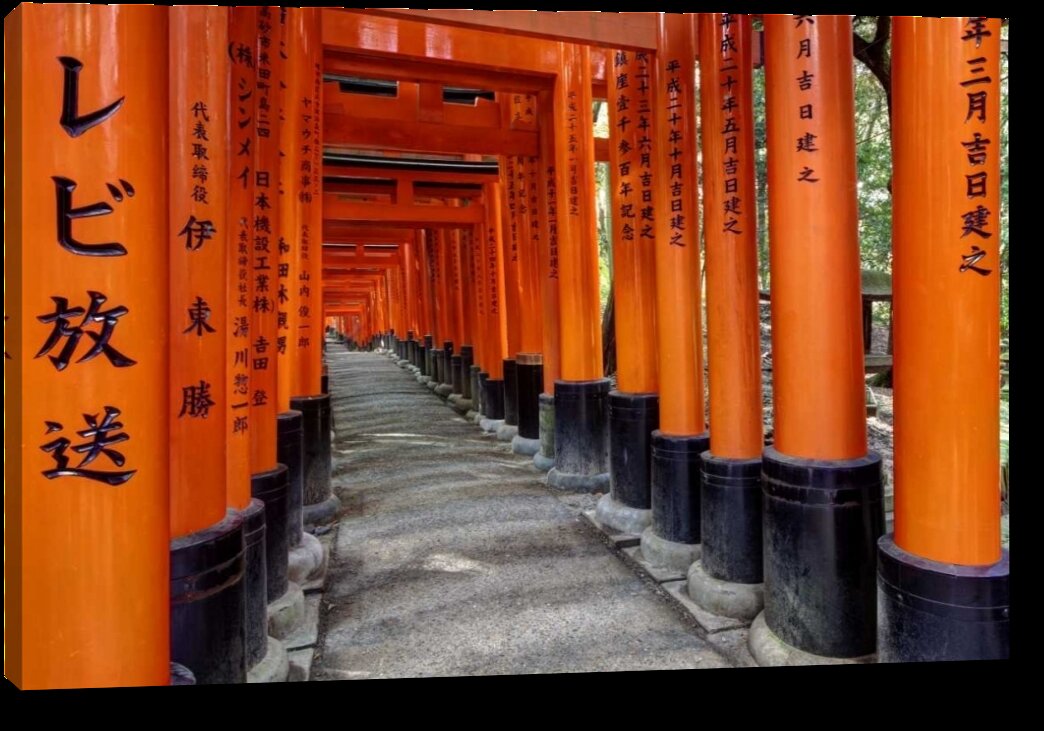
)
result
[(806, 143), (730, 78), (679, 311), (91, 500), (288, 221), (511, 180), (310, 271), (552, 219), (240, 223), (675, 112), (979, 257), (267, 237), (198, 180), (733, 329), (631, 168)]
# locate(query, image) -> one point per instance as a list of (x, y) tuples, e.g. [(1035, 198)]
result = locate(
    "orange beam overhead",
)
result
[(345, 129), (335, 208), (418, 176), (635, 31), (436, 45)]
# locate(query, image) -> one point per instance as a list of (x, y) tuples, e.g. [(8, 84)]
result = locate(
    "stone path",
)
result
[(452, 558)]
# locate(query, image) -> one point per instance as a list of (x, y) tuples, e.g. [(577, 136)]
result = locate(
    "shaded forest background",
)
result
[(872, 72)]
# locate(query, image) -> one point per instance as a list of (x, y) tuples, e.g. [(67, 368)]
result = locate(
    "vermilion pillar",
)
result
[(444, 312), (673, 537), (511, 217), (727, 578), (547, 191), (426, 252), (530, 356), (207, 632), (822, 492), (634, 406), (270, 478), (581, 418), (240, 243), (492, 276), (87, 234), (943, 576), (304, 427), (457, 372)]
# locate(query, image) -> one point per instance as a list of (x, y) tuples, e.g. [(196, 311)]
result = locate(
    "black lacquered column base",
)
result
[(930, 611), (467, 360), (290, 452), (731, 518), (676, 486), (493, 398), (428, 366), (456, 375), (208, 602), (821, 523), (438, 364), (446, 374), (271, 488), (530, 384), (320, 504), (510, 392), (633, 417), (483, 401), (255, 580), (581, 436)]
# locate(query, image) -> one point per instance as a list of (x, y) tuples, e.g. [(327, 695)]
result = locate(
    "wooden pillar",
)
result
[(492, 275), (581, 413), (818, 568), (728, 576), (87, 499), (206, 636), (270, 478), (946, 551), (547, 190), (674, 535), (634, 406)]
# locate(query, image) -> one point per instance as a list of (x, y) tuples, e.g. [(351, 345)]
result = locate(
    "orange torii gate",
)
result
[(223, 453)]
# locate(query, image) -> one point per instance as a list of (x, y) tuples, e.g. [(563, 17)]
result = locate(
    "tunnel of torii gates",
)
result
[(180, 234)]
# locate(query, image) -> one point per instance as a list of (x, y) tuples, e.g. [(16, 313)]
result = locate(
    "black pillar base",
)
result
[(271, 488), (675, 486), (255, 580), (934, 611), (493, 399), (411, 352), (438, 364), (822, 520), (581, 433), (325, 381), (510, 392), (428, 367), (633, 417), (208, 602), (483, 403), (446, 374), (467, 359), (730, 519), (456, 376), (530, 385), (290, 452), (320, 504)]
